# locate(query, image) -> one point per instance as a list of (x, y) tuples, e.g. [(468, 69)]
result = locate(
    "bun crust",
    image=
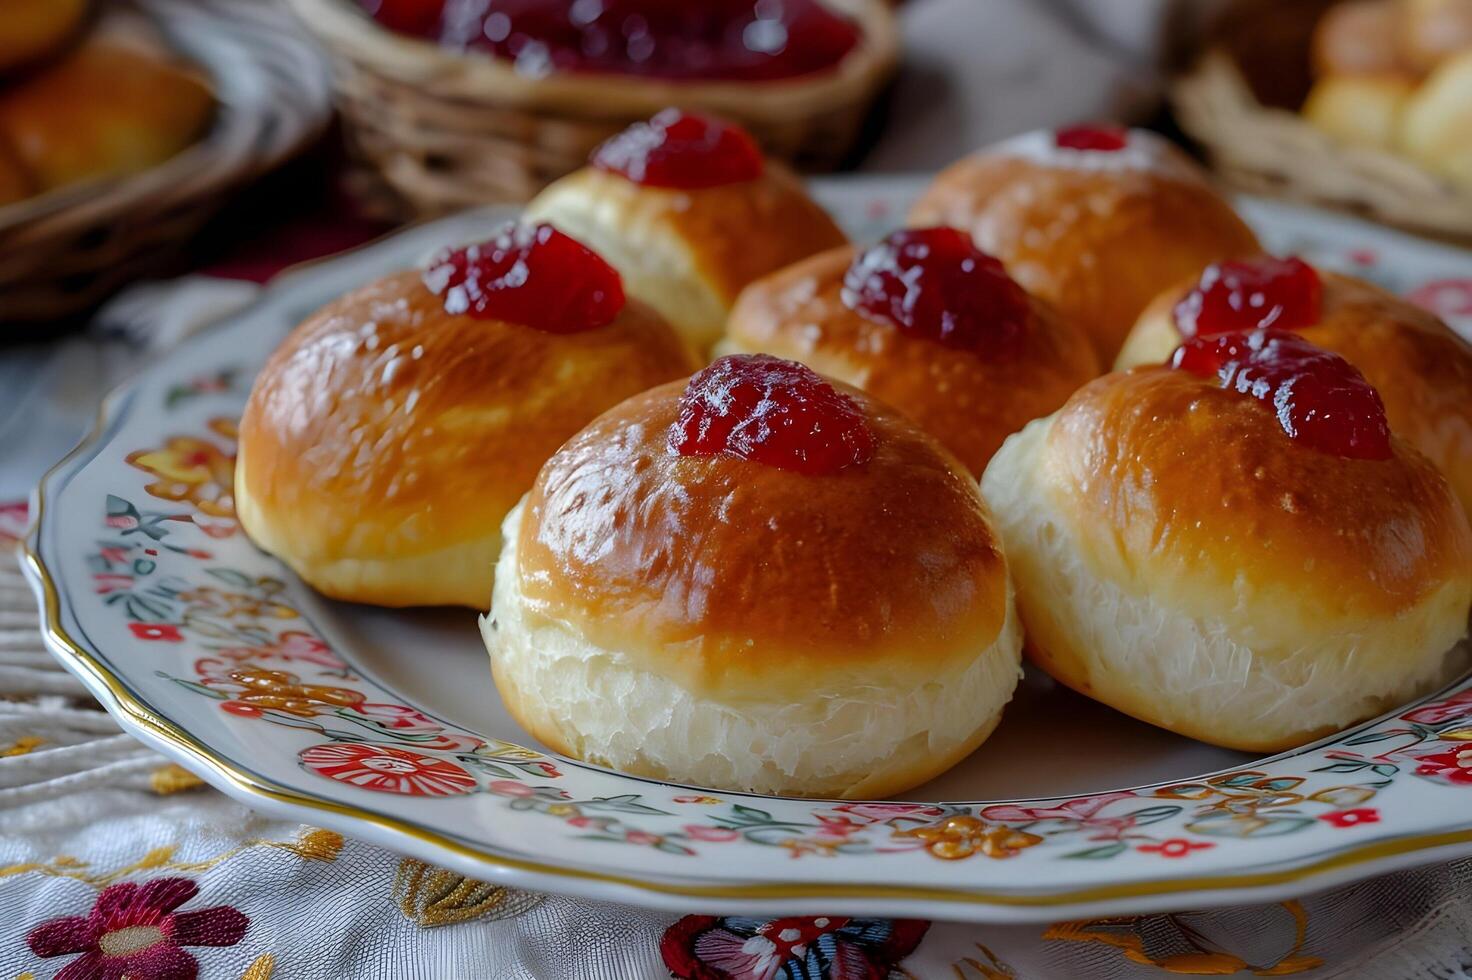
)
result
[(1357, 38), (1421, 368), (386, 439), (1179, 558), (969, 401), (688, 253), (32, 29), (104, 109), (1098, 242), (714, 620)]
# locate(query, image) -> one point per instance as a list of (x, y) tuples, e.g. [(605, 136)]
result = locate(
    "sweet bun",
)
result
[(32, 29), (1431, 31), (732, 623), (1436, 127), (1357, 38), (1178, 556), (386, 438), (688, 250), (1420, 367), (104, 110), (1095, 221), (1362, 109), (969, 394)]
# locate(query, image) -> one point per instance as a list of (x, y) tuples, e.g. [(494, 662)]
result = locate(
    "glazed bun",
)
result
[(386, 438), (1361, 109), (32, 29), (702, 216), (1420, 367), (1436, 128), (104, 110), (1095, 221), (1178, 556), (986, 360), (1357, 38), (720, 620), (1431, 31)]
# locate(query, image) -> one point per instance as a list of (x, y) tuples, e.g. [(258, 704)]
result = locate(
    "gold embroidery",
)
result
[(22, 746), (173, 779), (312, 845), (992, 969), (960, 837), (316, 845), (431, 896), (262, 969), (1169, 942)]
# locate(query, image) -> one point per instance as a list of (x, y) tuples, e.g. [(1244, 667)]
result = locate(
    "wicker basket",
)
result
[(446, 130), (63, 253), (1240, 102)]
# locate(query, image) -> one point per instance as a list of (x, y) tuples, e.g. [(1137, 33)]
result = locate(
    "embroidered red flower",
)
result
[(385, 769), (1175, 847), (1453, 765), (134, 932), (157, 631), (1351, 818), (705, 947)]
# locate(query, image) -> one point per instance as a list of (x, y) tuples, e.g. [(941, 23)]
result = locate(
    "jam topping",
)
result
[(935, 283), (771, 411), (682, 150), (1320, 398), (533, 275), (742, 40), (1264, 292), (1100, 139)]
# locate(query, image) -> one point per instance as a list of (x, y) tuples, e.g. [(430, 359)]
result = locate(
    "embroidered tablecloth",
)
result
[(115, 863)]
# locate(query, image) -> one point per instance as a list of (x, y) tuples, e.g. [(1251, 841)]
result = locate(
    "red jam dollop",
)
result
[(740, 40), (533, 275), (935, 283), (684, 150), (1100, 139), (1321, 400), (1284, 294), (771, 411)]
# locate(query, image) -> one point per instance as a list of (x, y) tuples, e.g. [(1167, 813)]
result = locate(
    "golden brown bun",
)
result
[(1177, 556), (1097, 235), (688, 253), (715, 620), (1431, 31), (1436, 126), (32, 29), (967, 400), (1362, 109), (1357, 38), (1421, 368), (386, 439), (104, 110)]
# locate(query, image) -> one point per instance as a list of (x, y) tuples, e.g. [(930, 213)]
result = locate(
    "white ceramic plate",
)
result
[(388, 726)]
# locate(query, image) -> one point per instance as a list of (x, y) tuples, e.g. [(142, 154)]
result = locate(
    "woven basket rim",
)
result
[(1279, 148), (349, 34)]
